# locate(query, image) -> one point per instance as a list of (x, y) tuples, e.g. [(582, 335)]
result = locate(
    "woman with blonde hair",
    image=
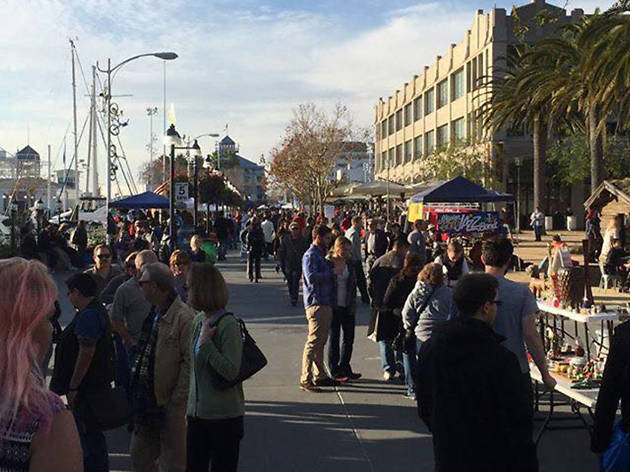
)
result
[(215, 415), (37, 432), (428, 305), (197, 254), (179, 264)]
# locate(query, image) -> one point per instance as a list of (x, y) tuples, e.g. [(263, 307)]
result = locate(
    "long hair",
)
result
[(27, 298)]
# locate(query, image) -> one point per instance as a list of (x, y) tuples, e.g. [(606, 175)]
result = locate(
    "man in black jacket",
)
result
[(470, 392), (292, 248)]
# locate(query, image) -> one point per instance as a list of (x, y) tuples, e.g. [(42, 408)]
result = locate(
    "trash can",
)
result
[(571, 223), (548, 223)]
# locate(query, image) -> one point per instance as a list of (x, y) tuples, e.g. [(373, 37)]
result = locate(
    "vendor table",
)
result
[(563, 394)]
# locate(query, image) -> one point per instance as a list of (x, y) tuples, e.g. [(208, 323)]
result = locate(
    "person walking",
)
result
[(381, 327), (344, 311), (129, 265), (197, 253), (103, 270), (223, 228), (428, 305), (469, 388), (214, 416), (319, 298), (255, 250), (80, 239), (268, 230), (37, 432), (516, 317), (398, 290), (292, 249), (417, 241), (160, 376), (537, 220), (83, 364), (453, 262), (354, 235), (376, 243)]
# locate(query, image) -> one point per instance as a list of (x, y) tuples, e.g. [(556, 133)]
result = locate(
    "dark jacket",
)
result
[(615, 387), (80, 238), (384, 268), (290, 253), (398, 290), (471, 396), (376, 243), (255, 240)]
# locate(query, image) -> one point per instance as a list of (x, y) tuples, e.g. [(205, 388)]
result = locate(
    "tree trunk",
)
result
[(596, 147), (540, 156)]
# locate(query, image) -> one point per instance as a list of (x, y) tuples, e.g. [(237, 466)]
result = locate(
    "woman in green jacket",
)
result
[(215, 415)]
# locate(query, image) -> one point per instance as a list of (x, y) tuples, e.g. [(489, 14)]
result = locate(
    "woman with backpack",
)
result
[(215, 413)]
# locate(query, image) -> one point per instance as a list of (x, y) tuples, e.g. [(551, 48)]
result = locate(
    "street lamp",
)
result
[(517, 162), (151, 111), (166, 56), (196, 155)]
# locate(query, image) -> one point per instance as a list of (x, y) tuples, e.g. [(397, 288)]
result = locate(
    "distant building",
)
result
[(355, 164), (27, 163), (7, 165), (246, 176)]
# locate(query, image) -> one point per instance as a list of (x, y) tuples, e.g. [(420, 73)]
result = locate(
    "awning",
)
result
[(459, 190), (144, 200), (378, 187)]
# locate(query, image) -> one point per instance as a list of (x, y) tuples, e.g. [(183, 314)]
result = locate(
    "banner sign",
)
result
[(468, 223)]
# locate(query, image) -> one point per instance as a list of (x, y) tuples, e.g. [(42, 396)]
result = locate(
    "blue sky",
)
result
[(247, 63)]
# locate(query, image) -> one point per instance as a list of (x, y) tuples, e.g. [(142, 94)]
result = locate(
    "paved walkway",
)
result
[(364, 427)]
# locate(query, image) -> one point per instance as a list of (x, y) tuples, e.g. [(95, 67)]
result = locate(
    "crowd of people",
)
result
[(453, 330)]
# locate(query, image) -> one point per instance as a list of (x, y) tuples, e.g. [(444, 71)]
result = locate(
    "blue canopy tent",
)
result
[(459, 190), (144, 200)]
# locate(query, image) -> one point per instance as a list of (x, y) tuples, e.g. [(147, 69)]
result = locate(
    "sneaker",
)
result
[(341, 378), (354, 375), (326, 382), (309, 387), (293, 302), (411, 396), (388, 376)]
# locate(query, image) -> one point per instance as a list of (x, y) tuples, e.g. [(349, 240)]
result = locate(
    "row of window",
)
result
[(436, 97), (424, 145)]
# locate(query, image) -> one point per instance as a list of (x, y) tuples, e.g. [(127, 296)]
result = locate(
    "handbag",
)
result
[(104, 410), (252, 360), (617, 457), (406, 339)]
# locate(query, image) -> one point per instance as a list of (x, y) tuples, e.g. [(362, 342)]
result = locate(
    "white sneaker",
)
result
[(388, 376)]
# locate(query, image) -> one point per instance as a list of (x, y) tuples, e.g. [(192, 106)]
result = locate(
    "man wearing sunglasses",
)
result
[(469, 388), (103, 270)]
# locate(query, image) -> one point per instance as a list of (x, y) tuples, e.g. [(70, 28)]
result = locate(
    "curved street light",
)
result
[(166, 56)]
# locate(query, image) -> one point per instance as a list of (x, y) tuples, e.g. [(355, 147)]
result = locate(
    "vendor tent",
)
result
[(144, 200), (378, 187), (459, 190)]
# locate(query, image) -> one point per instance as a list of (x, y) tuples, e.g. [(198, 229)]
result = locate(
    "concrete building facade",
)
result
[(355, 164), (440, 105), (247, 177)]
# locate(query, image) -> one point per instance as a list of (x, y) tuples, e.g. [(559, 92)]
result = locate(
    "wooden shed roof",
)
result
[(608, 191)]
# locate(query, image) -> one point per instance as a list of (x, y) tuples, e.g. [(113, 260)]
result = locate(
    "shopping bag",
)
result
[(211, 251), (617, 457)]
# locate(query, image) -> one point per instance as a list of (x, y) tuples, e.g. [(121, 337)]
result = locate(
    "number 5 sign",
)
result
[(181, 192)]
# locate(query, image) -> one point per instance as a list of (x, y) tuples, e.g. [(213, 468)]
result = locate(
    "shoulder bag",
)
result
[(252, 361)]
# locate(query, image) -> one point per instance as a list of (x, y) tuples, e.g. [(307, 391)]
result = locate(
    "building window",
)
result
[(442, 93), (378, 132), (417, 108), (391, 161), (399, 154), (383, 160), (474, 75), (408, 151), (458, 129), (429, 142), (399, 120), (457, 81), (418, 147), (468, 78), (384, 128), (429, 101), (408, 114), (442, 136), (392, 125)]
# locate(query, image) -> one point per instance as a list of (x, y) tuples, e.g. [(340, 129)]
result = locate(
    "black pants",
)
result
[(341, 320), (213, 440), (293, 282), (253, 264), (361, 282)]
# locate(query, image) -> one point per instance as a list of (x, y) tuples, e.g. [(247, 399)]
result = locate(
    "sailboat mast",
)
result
[(94, 163), (76, 136)]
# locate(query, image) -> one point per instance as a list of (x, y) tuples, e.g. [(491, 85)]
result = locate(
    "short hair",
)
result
[(357, 219), (320, 230), (144, 257), (195, 242), (160, 273), (130, 260), (207, 290), (84, 283), (101, 246), (456, 246), (497, 252), (179, 257), (432, 274), (473, 291)]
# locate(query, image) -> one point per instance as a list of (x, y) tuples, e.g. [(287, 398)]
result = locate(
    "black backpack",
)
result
[(252, 361)]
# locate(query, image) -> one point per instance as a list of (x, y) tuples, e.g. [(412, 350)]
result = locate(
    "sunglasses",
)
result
[(104, 256)]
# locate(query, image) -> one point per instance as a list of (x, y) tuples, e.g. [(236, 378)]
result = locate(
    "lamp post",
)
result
[(151, 111), (167, 56), (517, 162), (196, 154)]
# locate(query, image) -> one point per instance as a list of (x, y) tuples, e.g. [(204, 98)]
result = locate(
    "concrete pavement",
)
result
[(365, 426)]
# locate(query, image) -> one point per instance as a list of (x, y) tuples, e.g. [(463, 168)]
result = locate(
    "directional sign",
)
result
[(181, 192)]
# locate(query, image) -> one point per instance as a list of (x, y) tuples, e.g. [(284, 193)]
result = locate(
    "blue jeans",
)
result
[(389, 358), (95, 455), (537, 232), (410, 362)]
